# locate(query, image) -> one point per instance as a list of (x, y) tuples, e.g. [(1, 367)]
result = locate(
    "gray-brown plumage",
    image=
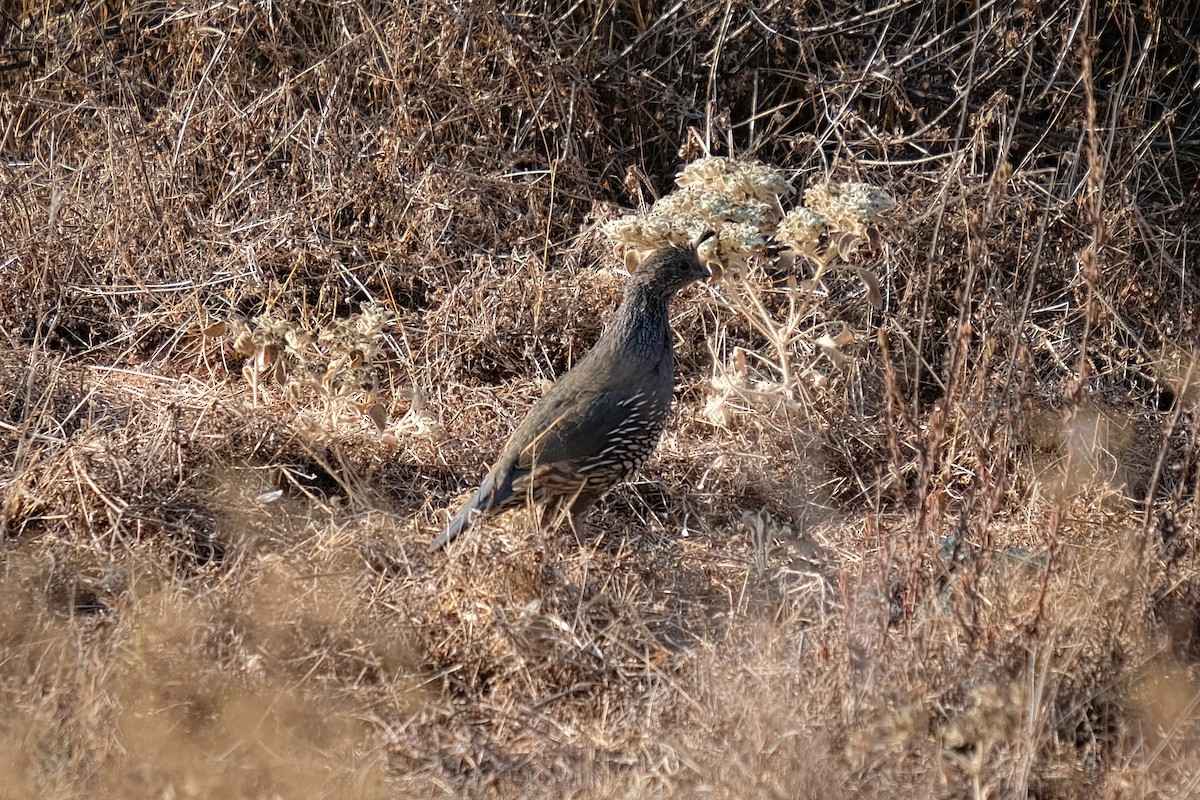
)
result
[(599, 423)]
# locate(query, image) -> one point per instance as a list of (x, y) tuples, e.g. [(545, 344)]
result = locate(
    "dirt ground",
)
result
[(278, 278)]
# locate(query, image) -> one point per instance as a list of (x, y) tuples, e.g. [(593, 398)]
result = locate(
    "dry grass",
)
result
[(926, 526)]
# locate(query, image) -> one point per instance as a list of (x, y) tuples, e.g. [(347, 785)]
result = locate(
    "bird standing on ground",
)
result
[(599, 423)]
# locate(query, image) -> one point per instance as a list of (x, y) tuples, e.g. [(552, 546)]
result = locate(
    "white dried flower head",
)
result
[(419, 422), (653, 231), (299, 341), (734, 244), (372, 319), (358, 334), (755, 212), (801, 230), (848, 206), (740, 180), (713, 207), (623, 229), (336, 336), (270, 331)]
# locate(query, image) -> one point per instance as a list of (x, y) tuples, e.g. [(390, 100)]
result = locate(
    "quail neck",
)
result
[(640, 328)]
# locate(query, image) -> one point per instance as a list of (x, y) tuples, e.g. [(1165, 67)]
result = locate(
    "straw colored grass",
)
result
[(924, 522)]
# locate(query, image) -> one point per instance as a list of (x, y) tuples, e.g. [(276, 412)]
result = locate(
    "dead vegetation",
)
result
[(924, 524)]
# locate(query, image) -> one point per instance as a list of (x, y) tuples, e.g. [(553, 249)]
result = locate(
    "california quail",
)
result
[(599, 423)]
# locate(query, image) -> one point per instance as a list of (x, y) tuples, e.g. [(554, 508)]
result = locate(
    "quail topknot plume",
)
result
[(599, 423)]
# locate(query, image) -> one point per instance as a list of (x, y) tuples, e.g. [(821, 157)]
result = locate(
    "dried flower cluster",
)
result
[(737, 199), (740, 200), (802, 228), (337, 361), (848, 207), (739, 180)]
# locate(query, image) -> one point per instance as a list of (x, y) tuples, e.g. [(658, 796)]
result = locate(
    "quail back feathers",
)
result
[(599, 423)]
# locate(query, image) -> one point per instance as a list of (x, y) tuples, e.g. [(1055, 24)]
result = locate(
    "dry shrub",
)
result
[(924, 523)]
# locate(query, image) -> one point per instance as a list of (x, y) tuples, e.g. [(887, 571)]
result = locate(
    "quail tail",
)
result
[(481, 501)]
